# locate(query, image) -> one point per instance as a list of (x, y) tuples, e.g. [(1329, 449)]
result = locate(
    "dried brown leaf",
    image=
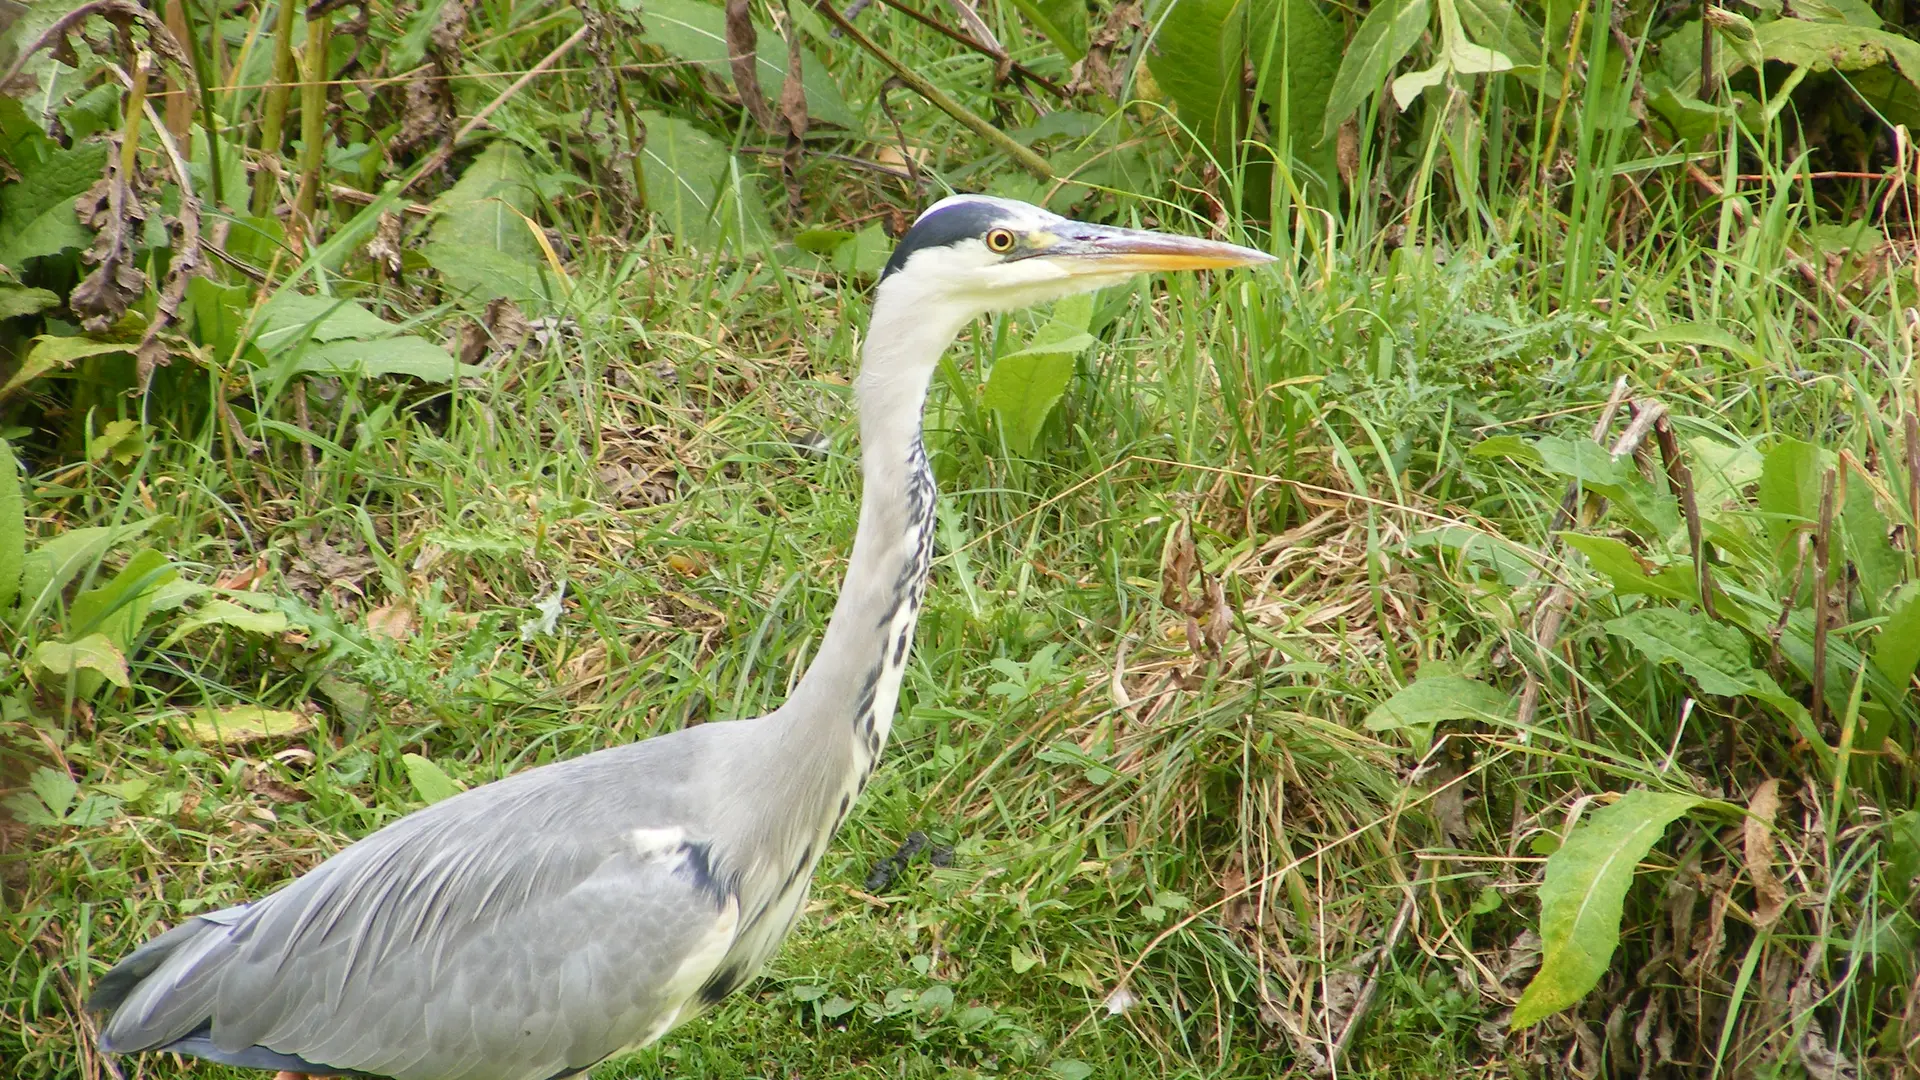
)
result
[(116, 215), (264, 783), (1176, 570), (743, 43), (1346, 153), (1758, 846), (1097, 72), (500, 330), (1219, 616), (243, 577), (393, 621)]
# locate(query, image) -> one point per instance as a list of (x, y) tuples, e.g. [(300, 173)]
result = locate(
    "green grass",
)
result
[(1137, 706)]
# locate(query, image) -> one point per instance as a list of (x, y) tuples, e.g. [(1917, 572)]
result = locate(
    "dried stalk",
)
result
[(313, 122), (1553, 606), (1371, 988), (1822, 544), (274, 110), (1025, 73), (1912, 424), (938, 98)]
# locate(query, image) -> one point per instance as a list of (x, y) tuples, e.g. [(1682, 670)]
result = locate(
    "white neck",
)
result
[(837, 720)]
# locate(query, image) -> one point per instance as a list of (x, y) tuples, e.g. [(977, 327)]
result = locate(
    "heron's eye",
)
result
[(999, 241)]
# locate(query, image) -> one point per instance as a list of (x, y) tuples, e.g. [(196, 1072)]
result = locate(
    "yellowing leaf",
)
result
[(1584, 895), (1025, 384), (237, 725), (1436, 698), (429, 782), (13, 528), (95, 652)]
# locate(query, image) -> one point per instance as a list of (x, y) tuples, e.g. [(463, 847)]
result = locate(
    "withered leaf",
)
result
[(742, 55), (1757, 844), (116, 215)]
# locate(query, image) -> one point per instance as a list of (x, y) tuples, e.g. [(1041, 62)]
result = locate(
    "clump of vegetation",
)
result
[(1487, 642)]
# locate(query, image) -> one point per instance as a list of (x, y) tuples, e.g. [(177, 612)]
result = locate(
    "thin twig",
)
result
[(1372, 987), (919, 84), (1016, 67), (441, 155), (1680, 479), (1822, 538)]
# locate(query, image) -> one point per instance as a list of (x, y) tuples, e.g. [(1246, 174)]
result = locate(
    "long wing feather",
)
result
[(523, 929)]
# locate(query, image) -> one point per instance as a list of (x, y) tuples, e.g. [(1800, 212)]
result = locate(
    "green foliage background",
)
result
[(1484, 642)]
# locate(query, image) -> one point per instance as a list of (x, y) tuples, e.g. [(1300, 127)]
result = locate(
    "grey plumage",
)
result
[(531, 927)]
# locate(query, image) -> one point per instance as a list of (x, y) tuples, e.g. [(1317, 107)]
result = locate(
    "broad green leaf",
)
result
[(480, 241), (1713, 654), (1878, 566), (476, 276), (48, 568), (229, 614), (865, 252), (1583, 460), (1061, 22), (403, 355), (489, 204), (121, 440), (18, 300), (1512, 564), (91, 653), (1408, 88), (1507, 446), (1824, 46), (1789, 495), (1504, 27), (1434, 699), (818, 241), (1389, 32), (55, 789), (119, 608), (1023, 388), (51, 351), (1700, 335), (1896, 645), (1584, 895), (691, 187), (293, 318), (1903, 852), (236, 725), (1199, 60), (1298, 49), (1721, 474), (1025, 384), (330, 336), (429, 782), (697, 32), (13, 529), (36, 214), (1628, 573)]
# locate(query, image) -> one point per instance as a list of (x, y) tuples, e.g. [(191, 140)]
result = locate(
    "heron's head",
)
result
[(977, 254)]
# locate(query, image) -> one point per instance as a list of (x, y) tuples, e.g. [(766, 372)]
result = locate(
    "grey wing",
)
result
[(450, 945)]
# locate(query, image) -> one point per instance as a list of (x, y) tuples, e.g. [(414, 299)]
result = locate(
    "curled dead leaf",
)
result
[(1757, 844), (243, 578), (742, 55), (262, 782), (394, 621)]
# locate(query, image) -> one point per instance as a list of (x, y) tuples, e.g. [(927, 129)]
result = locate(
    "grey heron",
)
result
[(534, 926)]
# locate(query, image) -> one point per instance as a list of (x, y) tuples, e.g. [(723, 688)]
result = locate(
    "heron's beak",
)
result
[(1100, 249)]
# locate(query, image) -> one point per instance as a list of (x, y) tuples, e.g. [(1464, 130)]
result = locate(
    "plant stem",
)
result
[(313, 119), (273, 120)]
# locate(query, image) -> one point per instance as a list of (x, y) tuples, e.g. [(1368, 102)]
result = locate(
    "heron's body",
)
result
[(532, 927)]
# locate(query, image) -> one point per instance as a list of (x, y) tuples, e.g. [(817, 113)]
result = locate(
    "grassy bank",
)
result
[(1254, 694)]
